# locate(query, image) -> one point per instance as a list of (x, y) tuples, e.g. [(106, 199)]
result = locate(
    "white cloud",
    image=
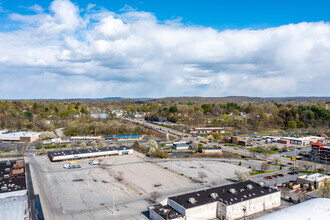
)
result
[(36, 8), (132, 54)]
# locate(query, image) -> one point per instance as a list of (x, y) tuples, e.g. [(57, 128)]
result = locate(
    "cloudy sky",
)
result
[(87, 49)]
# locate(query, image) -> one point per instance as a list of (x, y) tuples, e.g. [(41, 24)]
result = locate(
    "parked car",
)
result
[(281, 174), (269, 177)]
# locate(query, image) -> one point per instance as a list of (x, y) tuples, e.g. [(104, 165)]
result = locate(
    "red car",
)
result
[(269, 177)]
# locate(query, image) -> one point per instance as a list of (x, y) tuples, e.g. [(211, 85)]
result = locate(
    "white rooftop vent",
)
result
[(232, 190), (7, 169), (6, 176), (8, 163), (241, 190), (214, 195), (249, 186), (192, 200), (261, 184)]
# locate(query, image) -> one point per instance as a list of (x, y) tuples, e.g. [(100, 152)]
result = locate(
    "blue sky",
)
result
[(219, 14), (70, 49)]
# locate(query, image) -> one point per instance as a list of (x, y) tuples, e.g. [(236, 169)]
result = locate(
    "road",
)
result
[(40, 187), (177, 134), (59, 132), (240, 151)]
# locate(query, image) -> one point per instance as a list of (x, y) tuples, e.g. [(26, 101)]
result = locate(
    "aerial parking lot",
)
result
[(118, 188), (218, 172)]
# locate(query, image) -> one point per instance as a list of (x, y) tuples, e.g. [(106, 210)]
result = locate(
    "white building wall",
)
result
[(77, 156), (207, 211), (252, 206), (176, 206), (130, 151), (153, 215), (13, 194)]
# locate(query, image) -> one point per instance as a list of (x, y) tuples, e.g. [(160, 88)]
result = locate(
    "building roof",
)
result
[(314, 209), (241, 192), (315, 177), (211, 148), (318, 144), (210, 128), (15, 135), (12, 176), (14, 207), (125, 136), (166, 211), (87, 150)]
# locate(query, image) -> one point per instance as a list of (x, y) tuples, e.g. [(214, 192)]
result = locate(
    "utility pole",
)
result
[(113, 201)]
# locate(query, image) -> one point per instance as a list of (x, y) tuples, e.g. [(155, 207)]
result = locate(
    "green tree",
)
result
[(173, 109), (292, 124)]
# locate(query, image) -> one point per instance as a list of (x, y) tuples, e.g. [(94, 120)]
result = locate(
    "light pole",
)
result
[(113, 201)]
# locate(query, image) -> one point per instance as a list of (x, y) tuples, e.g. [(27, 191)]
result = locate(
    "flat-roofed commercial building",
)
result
[(85, 138), (88, 153), (229, 202), (210, 130), (212, 150), (14, 202), (125, 138), (19, 136), (313, 209), (316, 179), (303, 140)]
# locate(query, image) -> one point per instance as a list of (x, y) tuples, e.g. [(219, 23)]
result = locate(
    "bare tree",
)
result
[(83, 145), (202, 175), (305, 165), (264, 149), (101, 144), (264, 166), (242, 176), (94, 145), (194, 146), (154, 196)]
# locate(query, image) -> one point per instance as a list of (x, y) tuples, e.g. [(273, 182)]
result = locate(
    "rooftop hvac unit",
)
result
[(7, 169), (6, 176), (261, 184), (214, 195), (192, 200), (249, 186), (232, 190), (8, 163)]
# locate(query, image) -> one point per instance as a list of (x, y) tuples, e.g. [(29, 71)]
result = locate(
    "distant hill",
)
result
[(238, 99), (246, 99)]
